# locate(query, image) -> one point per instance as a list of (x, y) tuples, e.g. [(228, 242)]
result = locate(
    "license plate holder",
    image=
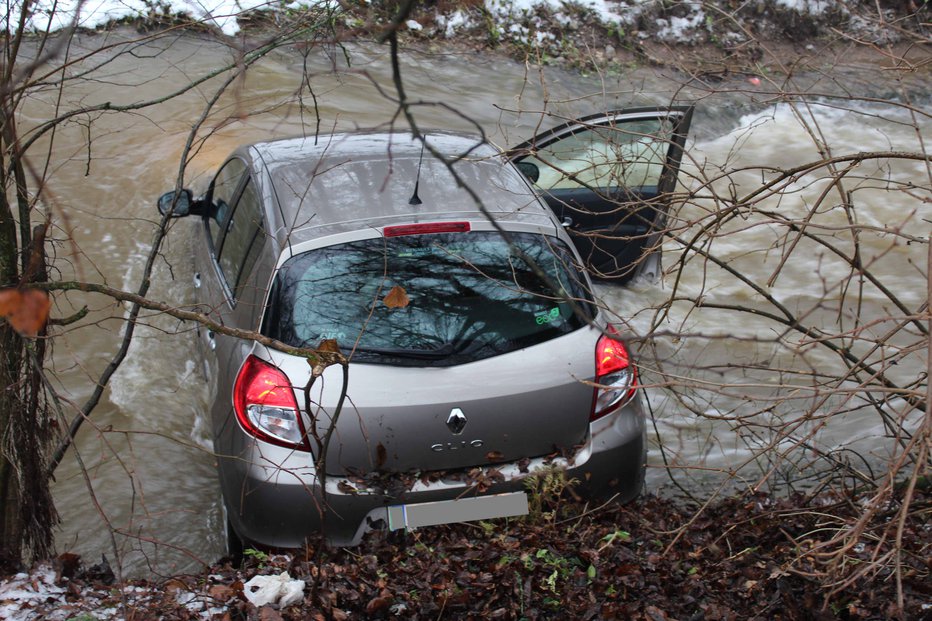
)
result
[(416, 515)]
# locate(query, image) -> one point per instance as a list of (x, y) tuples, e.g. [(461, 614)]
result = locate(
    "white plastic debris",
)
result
[(280, 589)]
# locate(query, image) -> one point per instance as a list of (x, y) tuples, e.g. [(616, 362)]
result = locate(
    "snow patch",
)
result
[(24, 591), (682, 29), (811, 7), (58, 14), (450, 24)]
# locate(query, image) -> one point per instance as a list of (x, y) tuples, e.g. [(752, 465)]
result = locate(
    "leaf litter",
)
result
[(754, 557)]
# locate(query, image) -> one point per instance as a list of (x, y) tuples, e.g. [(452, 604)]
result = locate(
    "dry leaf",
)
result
[(267, 613), (378, 603), (329, 346), (396, 298), (221, 592), (173, 585), (381, 455), (27, 310)]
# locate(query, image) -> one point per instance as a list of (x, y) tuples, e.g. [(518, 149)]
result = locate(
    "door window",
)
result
[(242, 239), (630, 155), (609, 178), (222, 195)]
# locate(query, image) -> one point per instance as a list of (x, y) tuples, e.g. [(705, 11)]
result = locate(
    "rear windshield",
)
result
[(429, 300)]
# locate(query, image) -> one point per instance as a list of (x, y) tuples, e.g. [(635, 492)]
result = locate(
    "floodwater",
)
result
[(141, 479)]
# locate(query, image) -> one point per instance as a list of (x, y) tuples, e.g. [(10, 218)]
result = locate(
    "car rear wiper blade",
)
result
[(438, 353)]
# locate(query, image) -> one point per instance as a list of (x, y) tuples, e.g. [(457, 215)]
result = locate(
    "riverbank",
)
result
[(753, 557), (715, 40), (707, 40)]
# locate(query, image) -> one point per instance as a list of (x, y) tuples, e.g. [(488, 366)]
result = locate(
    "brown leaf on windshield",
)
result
[(329, 346), (26, 310), (396, 298)]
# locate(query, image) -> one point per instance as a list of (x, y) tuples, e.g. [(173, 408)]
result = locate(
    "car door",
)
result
[(609, 177), (235, 236)]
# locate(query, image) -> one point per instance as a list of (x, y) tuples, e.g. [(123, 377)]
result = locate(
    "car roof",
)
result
[(346, 182)]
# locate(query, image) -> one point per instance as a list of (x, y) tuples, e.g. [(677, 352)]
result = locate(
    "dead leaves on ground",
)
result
[(739, 559)]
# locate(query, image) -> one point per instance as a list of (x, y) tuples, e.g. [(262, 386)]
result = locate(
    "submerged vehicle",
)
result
[(456, 280)]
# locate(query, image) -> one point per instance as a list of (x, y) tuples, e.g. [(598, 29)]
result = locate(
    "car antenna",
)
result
[(415, 199)]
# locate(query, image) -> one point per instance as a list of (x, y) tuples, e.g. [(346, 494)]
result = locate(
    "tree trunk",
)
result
[(27, 514), (11, 532)]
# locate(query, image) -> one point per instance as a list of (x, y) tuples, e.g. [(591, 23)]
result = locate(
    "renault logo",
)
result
[(456, 421)]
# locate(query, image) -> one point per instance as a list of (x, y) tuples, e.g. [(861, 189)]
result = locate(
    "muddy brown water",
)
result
[(142, 474)]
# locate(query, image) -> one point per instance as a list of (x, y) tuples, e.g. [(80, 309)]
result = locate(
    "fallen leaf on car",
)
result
[(494, 456), (329, 346), (396, 298), (25, 309), (381, 455)]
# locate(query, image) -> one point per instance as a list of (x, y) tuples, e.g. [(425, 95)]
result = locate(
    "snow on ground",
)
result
[(92, 13), (515, 19), (25, 591), (35, 596)]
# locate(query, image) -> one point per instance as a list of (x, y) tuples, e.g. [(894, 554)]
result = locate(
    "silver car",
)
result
[(458, 287)]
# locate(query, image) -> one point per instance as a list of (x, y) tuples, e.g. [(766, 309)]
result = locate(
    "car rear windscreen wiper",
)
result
[(438, 353)]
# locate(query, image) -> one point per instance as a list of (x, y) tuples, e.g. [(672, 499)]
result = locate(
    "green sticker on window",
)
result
[(547, 316)]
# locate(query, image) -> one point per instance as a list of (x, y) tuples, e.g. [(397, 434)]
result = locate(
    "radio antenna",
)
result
[(415, 199)]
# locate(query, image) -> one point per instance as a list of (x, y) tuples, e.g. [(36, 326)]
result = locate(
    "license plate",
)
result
[(459, 510)]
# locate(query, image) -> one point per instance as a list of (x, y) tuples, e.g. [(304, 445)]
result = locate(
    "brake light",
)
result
[(265, 405), (615, 374), (400, 230)]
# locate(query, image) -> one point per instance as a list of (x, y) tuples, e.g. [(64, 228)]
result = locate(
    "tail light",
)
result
[(614, 373), (265, 405)]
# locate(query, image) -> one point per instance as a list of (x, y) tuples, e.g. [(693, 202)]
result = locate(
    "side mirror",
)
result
[(181, 203), (529, 170), (184, 204)]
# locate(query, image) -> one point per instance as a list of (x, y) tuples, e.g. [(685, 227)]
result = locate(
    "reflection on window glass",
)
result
[(453, 298), (628, 155), (242, 231), (222, 195)]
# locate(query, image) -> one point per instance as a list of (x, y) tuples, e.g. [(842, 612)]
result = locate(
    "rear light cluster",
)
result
[(265, 405), (615, 374)]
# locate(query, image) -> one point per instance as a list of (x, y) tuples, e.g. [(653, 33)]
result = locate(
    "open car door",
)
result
[(609, 177)]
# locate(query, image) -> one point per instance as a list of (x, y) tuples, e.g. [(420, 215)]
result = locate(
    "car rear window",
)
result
[(430, 300)]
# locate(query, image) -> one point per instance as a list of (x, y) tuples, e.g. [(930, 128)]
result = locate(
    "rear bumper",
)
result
[(274, 498)]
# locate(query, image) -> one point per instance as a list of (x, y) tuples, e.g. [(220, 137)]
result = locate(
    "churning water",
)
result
[(142, 468)]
